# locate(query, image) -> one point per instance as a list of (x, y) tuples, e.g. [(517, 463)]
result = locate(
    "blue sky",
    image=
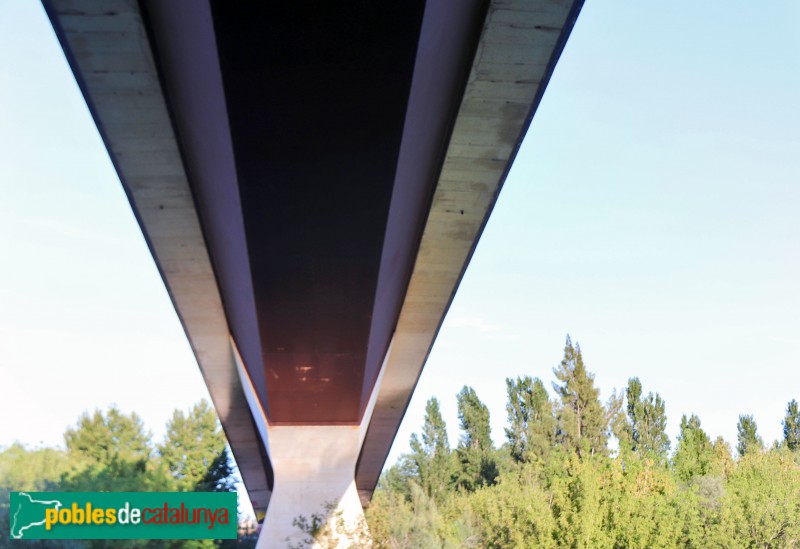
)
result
[(652, 213)]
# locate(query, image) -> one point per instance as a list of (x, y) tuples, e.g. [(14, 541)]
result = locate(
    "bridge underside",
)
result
[(312, 179)]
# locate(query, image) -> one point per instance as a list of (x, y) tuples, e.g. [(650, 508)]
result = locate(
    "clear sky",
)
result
[(652, 213)]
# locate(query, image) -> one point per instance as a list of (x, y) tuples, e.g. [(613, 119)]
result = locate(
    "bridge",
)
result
[(311, 179)]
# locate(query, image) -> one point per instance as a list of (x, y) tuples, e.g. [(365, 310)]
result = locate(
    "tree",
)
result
[(791, 426), (475, 449), (648, 422), (194, 451), (220, 476), (618, 424), (35, 470), (582, 420), (706, 499), (694, 453), (100, 437), (747, 435), (399, 478), (532, 424), (30, 470), (761, 505), (722, 463), (110, 452), (431, 455)]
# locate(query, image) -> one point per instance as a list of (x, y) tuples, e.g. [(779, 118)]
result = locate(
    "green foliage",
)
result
[(30, 470), (648, 422), (582, 420), (761, 506), (110, 452), (572, 493), (747, 436), (220, 475), (99, 437), (37, 470), (516, 512), (398, 478), (330, 530), (557, 486), (476, 454), (419, 522), (791, 426), (431, 456), (474, 417), (194, 451), (721, 462), (531, 432), (694, 454)]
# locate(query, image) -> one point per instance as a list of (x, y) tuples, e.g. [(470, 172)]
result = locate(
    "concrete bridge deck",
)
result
[(312, 179)]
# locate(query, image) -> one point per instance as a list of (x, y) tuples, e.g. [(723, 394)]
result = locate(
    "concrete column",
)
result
[(314, 476), (314, 469)]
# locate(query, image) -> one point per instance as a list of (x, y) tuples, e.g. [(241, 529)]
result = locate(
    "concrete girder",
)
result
[(519, 46), (143, 147)]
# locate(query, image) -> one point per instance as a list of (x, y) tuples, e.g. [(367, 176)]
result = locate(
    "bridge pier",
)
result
[(314, 487), (313, 466)]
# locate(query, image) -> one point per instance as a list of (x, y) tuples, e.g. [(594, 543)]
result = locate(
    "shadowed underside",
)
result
[(316, 98)]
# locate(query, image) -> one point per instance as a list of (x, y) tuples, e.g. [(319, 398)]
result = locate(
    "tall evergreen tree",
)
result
[(747, 435), (582, 420), (722, 463), (791, 426), (110, 452), (694, 454), (647, 422), (220, 476), (399, 478), (99, 437), (431, 455), (532, 425), (195, 450), (475, 451), (618, 424)]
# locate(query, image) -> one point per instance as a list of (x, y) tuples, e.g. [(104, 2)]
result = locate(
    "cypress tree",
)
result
[(647, 422), (431, 455), (532, 425), (194, 450), (747, 435), (110, 452), (722, 462), (582, 421), (475, 450), (694, 453), (791, 426)]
